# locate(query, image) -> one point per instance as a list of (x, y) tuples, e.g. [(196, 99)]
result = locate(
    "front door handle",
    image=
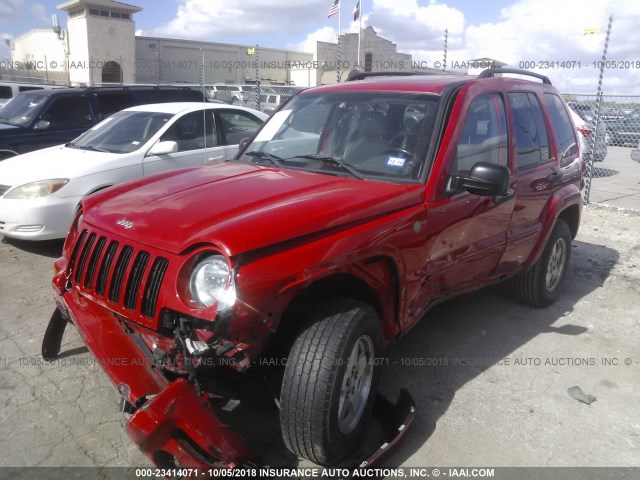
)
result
[(504, 197), (555, 176)]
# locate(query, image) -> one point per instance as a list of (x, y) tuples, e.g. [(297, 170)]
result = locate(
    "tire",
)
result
[(323, 412), (540, 286)]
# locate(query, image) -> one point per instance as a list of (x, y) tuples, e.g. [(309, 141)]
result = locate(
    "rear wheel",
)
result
[(330, 382), (540, 286)]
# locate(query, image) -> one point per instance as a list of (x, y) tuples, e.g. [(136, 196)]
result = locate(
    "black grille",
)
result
[(102, 265), (118, 274), (154, 282), (135, 279)]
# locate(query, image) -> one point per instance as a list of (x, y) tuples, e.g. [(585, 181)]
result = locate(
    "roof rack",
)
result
[(491, 72), (358, 75)]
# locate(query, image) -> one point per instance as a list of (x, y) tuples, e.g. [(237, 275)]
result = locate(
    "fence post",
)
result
[(598, 103)]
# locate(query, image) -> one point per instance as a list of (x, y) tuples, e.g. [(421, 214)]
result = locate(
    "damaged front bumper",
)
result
[(172, 422)]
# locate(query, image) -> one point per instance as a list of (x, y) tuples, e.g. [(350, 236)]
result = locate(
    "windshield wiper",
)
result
[(335, 161), (89, 147), (276, 160)]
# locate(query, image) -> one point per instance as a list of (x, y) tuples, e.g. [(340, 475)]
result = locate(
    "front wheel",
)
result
[(540, 286), (330, 382)]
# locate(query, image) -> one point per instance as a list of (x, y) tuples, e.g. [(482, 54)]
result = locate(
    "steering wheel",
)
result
[(400, 150)]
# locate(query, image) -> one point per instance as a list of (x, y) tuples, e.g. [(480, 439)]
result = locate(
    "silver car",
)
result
[(584, 121)]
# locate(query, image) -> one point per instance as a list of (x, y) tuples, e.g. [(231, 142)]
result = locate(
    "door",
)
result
[(67, 117), (538, 172), (466, 234), (195, 135)]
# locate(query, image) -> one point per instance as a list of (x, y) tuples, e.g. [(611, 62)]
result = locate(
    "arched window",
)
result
[(111, 72)]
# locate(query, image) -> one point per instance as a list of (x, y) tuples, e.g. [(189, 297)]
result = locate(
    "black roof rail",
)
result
[(358, 75), (491, 72)]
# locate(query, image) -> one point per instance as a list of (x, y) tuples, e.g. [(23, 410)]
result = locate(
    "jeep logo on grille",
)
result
[(123, 222)]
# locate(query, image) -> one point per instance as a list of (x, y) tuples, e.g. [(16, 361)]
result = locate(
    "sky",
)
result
[(512, 31)]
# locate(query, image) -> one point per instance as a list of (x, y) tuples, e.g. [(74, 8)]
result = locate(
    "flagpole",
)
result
[(339, 35), (359, 33)]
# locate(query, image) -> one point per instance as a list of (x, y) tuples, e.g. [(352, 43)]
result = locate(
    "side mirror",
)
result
[(42, 125), (163, 148), (243, 143), (486, 179)]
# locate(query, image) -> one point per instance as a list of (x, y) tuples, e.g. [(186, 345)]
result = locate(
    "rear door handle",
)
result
[(555, 176), (219, 158)]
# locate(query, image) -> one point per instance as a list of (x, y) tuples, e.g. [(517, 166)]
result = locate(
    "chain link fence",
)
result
[(609, 133)]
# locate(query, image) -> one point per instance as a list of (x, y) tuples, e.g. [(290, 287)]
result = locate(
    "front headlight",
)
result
[(38, 189), (212, 282)]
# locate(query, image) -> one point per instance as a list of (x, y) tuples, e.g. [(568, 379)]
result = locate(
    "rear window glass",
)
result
[(561, 124)]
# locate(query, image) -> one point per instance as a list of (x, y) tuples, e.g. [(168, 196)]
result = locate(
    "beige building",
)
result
[(99, 46)]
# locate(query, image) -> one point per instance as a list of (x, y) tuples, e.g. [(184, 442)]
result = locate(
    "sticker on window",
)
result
[(396, 162)]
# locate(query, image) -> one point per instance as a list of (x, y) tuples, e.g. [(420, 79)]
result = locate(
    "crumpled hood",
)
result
[(52, 162), (240, 207)]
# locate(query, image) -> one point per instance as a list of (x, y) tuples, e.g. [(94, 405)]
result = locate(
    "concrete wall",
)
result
[(165, 60)]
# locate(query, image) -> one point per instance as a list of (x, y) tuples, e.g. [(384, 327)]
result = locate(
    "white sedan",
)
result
[(40, 191)]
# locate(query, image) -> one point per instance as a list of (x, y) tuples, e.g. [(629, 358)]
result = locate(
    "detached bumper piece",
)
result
[(172, 424), (178, 428)]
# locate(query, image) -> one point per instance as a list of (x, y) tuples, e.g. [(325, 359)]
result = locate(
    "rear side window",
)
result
[(27, 89), (561, 125), (111, 103), (484, 134), (168, 95), (532, 140), (5, 92)]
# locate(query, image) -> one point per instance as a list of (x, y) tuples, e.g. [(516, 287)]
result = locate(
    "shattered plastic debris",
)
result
[(578, 394)]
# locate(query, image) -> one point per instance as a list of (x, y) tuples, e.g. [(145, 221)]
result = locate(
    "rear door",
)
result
[(197, 141), (538, 170)]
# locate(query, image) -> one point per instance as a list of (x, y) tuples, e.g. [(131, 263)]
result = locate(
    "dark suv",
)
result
[(356, 208), (43, 118)]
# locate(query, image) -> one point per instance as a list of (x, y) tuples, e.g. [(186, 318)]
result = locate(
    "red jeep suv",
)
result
[(356, 208)]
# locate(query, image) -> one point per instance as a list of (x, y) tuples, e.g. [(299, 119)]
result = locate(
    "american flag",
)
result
[(335, 8), (356, 11)]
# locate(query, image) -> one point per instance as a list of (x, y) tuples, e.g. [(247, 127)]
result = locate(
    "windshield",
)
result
[(123, 132), (22, 109), (377, 135)]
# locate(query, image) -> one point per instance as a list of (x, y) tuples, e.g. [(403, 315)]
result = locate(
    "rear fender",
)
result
[(566, 203)]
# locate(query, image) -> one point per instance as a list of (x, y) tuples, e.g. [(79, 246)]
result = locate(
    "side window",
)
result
[(484, 134), (111, 103), (236, 125), (24, 88), (561, 124), (5, 92), (69, 112), (545, 148), (526, 130), (189, 132)]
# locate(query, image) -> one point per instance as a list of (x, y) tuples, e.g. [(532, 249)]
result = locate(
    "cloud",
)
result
[(324, 34), (38, 12), (10, 9), (225, 21)]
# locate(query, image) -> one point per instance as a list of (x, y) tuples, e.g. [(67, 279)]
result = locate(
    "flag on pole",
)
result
[(356, 11), (591, 31), (335, 8)]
